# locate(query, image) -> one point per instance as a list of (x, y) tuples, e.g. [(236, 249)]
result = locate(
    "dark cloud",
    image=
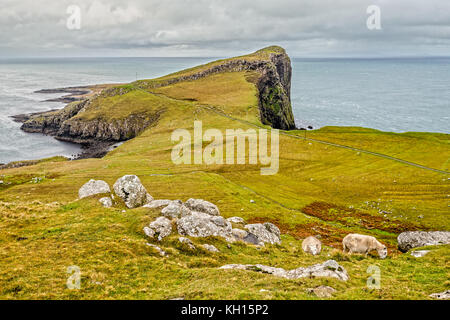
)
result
[(221, 28)]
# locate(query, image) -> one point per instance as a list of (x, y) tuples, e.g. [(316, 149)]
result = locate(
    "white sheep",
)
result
[(358, 243), (312, 245)]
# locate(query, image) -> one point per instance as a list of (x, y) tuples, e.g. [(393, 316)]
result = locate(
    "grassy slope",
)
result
[(45, 229)]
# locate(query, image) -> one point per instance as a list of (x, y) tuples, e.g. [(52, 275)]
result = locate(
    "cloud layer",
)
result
[(221, 28)]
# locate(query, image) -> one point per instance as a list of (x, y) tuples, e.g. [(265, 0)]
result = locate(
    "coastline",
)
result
[(92, 149)]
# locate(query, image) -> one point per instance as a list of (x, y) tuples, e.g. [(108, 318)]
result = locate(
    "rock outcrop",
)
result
[(93, 187), (265, 233), (329, 269), (413, 239), (199, 224), (160, 228)]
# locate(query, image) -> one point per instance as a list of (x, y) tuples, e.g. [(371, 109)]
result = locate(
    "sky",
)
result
[(212, 28)]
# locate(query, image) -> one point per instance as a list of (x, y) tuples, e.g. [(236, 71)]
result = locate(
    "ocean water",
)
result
[(388, 94)]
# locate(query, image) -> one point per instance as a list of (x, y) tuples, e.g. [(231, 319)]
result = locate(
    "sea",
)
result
[(397, 95)]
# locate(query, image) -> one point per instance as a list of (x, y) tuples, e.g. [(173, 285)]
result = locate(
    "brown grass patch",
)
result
[(352, 217)]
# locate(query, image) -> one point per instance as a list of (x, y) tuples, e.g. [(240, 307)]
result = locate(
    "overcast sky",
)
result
[(213, 28)]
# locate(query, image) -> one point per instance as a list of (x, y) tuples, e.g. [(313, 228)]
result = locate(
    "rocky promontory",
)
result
[(89, 120)]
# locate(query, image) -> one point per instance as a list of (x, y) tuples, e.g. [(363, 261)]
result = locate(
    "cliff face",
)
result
[(69, 124), (274, 88)]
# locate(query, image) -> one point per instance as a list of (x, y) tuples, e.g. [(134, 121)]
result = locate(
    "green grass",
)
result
[(45, 229)]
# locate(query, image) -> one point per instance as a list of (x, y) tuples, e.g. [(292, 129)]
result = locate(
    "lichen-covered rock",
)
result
[(93, 187), (245, 236), (106, 202), (199, 224), (158, 249), (200, 205), (210, 248), (130, 189), (419, 253), (236, 220), (322, 291), (173, 210), (441, 295), (160, 228), (187, 242), (154, 204), (328, 269), (413, 239), (266, 233), (312, 245)]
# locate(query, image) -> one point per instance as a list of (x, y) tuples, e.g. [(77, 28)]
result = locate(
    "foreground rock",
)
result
[(419, 253), (93, 187), (245, 236), (266, 233), (106, 202), (154, 204), (187, 242), (328, 269), (160, 228), (210, 247), (200, 205), (442, 295), (236, 220), (130, 189), (322, 291), (161, 252), (312, 245), (173, 210), (199, 224), (413, 239)]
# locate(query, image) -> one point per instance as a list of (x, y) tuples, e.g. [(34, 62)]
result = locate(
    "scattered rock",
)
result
[(161, 251), (158, 204), (106, 202), (442, 295), (413, 239), (237, 220), (312, 245), (329, 269), (419, 253), (210, 247), (204, 225), (132, 192), (322, 291), (203, 206), (93, 187), (160, 228), (266, 232), (173, 210), (187, 242)]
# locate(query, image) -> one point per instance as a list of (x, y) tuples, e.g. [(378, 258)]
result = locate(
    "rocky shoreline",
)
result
[(90, 149)]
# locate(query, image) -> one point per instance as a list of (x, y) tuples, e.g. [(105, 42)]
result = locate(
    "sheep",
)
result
[(358, 243), (312, 245)]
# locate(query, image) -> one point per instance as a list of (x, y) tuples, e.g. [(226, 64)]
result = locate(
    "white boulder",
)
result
[(93, 187), (130, 189)]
